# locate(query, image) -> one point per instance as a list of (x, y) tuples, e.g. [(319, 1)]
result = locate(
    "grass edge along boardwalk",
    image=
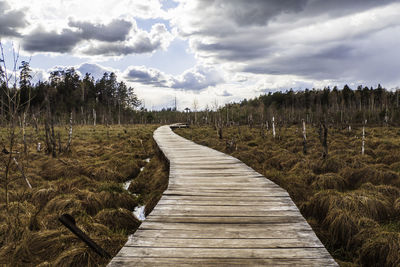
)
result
[(219, 211)]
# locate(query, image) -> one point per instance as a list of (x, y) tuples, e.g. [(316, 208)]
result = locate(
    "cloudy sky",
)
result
[(209, 50)]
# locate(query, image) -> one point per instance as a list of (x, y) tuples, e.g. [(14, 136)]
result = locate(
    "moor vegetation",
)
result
[(342, 171), (85, 182), (351, 200)]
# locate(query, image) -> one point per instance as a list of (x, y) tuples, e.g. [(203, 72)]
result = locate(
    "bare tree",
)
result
[(304, 138), (363, 138), (8, 82), (273, 127), (323, 138), (195, 109), (68, 147)]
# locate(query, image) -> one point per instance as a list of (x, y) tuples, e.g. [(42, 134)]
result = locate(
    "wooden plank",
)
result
[(234, 209), (135, 241), (170, 261), (227, 219), (220, 226), (226, 193), (221, 212), (228, 198), (241, 233), (248, 202), (254, 253)]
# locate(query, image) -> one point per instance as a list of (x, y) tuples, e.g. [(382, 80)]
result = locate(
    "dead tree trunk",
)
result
[(47, 136), (94, 117), (304, 138), (23, 133), (68, 147), (323, 137), (363, 138), (262, 132), (53, 138), (22, 173), (119, 114), (273, 127), (59, 143)]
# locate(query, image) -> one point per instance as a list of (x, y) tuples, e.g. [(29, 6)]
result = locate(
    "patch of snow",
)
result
[(141, 169), (139, 213), (147, 160), (127, 184)]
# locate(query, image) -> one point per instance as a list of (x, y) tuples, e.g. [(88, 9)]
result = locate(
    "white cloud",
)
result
[(194, 79)]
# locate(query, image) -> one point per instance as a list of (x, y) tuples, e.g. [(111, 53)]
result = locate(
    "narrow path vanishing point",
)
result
[(219, 211)]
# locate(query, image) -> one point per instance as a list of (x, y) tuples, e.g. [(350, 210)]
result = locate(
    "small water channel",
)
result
[(139, 211)]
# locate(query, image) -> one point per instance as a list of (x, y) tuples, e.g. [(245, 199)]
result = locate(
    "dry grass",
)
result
[(86, 183), (352, 201)]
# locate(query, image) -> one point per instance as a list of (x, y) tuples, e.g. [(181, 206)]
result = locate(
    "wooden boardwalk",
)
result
[(218, 211)]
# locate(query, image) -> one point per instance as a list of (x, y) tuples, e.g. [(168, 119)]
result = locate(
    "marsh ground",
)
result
[(86, 183), (352, 201)]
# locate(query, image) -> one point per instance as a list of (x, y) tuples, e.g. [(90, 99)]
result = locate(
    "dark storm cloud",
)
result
[(11, 21), (42, 41), (116, 30), (260, 12), (257, 12), (313, 39), (335, 8)]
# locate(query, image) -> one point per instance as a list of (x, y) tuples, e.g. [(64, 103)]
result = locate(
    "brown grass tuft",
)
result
[(36, 246), (396, 205), (42, 195), (381, 249), (331, 164), (342, 226), (118, 219), (329, 181)]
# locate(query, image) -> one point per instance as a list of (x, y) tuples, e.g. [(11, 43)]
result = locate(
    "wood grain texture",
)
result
[(217, 211)]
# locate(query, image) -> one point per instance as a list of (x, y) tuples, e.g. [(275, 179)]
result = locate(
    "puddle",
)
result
[(139, 213)]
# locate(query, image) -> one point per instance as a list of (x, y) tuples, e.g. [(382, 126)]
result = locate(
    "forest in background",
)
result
[(338, 107), (109, 101)]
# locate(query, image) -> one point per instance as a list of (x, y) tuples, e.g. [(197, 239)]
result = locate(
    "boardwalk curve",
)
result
[(219, 211)]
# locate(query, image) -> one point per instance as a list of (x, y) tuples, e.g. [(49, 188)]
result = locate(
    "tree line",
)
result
[(337, 107), (108, 101), (105, 100)]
